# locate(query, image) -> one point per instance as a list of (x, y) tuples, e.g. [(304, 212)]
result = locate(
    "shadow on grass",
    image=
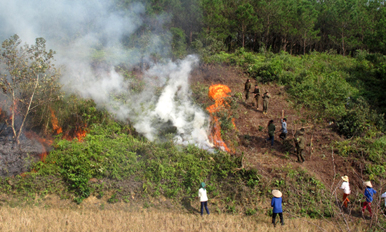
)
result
[(186, 202)]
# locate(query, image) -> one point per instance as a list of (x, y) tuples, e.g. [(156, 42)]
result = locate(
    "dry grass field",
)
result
[(56, 219)]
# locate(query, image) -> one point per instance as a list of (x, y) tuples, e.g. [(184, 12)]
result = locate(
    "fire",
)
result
[(79, 132), (54, 121), (218, 93), (44, 142)]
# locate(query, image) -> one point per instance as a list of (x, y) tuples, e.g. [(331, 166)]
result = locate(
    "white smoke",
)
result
[(81, 32)]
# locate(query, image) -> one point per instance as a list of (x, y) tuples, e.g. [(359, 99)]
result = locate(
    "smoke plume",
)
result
[(85, 32)]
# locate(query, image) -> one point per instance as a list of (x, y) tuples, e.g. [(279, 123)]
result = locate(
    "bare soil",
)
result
[(321, 158)]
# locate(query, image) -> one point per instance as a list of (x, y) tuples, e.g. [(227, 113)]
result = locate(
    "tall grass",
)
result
[(53, 220)]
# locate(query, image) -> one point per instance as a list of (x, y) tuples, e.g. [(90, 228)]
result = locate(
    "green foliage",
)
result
[(29, 81), (371, 147), (317, 81), (125, 165), (178, 43), (359, 118), (113, 199), (299, 183), (108, 152), (250, 212)]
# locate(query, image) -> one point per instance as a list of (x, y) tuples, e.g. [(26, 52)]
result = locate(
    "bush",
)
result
[(359, 118), (250, 212), (318, 81)]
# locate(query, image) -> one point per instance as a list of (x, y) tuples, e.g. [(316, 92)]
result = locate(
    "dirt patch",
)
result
[(251, 124)]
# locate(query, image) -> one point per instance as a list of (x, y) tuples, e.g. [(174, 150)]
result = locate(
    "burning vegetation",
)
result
[(219, 93), (79, 132)]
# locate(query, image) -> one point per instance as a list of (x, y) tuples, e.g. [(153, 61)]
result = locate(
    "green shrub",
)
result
[(250, 212), (359, 118)]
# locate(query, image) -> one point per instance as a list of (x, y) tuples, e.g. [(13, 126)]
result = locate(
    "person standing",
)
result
[(346, 190), (266, 97), (369, 193), (284, 131), (384, 196), (256, 91), (277, 207), (271, 132), (247, 88), (203, 198), (300, 143)]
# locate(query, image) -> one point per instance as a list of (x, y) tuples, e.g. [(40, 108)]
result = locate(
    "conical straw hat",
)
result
[(345, 178), (368, 184), (276, 193)]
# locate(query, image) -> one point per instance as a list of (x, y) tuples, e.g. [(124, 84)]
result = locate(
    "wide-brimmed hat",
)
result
[(368, 184), (345, 178), (276, 193)]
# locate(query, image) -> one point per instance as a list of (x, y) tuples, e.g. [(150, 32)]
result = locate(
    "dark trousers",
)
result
[(204, 204), (246, 95), (274, 218), (265, 106), (300, 154), (272, 138), (283, 135)]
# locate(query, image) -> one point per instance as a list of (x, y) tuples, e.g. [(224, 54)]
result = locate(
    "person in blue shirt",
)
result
[(369, 192), (284, 130), (277, 208)]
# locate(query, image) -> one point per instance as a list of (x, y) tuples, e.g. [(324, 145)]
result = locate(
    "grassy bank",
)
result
[(331, 85), (112, 161)]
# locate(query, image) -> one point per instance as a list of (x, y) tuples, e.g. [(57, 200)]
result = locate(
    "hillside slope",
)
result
[(321, 158)]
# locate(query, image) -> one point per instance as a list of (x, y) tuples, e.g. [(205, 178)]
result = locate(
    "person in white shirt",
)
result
[(346, 190), (203, 198), (384, 196)]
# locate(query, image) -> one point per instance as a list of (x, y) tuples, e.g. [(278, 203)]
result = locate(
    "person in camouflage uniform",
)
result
[(247, 87), (300, 143), (256, 91), (266, 97), (271, 132)]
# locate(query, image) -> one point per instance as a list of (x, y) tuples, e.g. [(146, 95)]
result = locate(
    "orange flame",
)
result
[(218, 93), (42, 141), (79, 132), (54, 121)]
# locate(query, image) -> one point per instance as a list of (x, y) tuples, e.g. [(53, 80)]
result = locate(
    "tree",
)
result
[(307, 16), (375, 33), (286, 22), (344, 32), (178, 43), (267, 12), (245, 19), (216, 28), (28, 80)]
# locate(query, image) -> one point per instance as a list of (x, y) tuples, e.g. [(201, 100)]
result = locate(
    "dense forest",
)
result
[(294, 26)]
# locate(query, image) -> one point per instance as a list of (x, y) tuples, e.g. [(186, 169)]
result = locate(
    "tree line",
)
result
[(294, 26)]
